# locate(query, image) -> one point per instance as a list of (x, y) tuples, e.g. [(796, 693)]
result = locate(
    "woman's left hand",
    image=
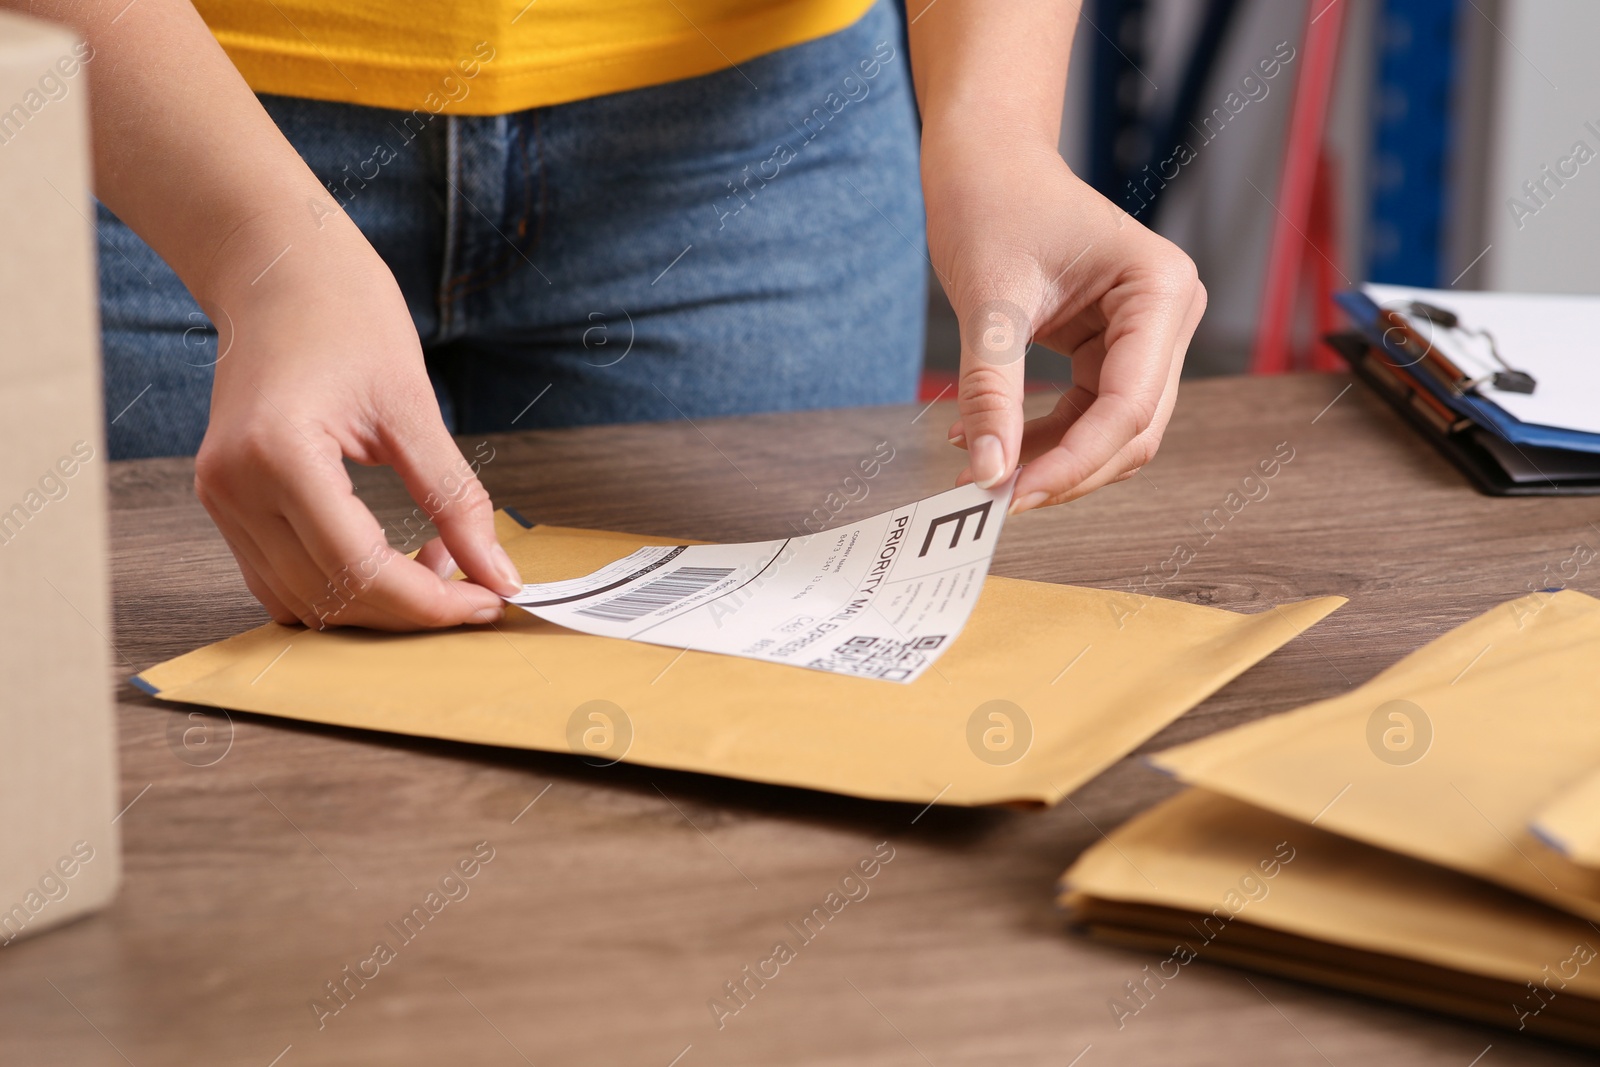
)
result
[(1028, 252)]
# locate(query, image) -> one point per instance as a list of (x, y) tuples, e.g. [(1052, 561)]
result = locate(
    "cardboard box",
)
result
[(59, 853)]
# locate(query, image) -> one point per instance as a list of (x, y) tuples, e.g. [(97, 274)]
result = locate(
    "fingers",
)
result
[(330, 537), (261, 589), (1111, 434), (1044, 432), (310, 550), (995, 334), (437, 558), (440, 479)]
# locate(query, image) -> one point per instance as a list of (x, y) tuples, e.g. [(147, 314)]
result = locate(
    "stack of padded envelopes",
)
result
[(1430, 838)]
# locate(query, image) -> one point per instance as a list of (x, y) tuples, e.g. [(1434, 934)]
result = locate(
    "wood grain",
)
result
[(619, 903)]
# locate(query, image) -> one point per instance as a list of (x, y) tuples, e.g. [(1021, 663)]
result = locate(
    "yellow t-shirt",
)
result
[(490, 57)]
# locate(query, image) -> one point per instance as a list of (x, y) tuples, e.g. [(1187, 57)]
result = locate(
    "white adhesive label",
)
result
[(880, 598)]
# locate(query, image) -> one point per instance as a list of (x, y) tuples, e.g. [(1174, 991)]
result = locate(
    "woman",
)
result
[(495, 215)]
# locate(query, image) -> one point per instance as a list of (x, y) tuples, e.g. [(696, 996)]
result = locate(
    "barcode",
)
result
[(663, 592)]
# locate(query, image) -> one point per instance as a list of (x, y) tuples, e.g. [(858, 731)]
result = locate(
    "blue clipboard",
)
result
[(1364, 312)]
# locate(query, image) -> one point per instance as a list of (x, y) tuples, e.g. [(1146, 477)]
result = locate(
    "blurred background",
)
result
[(1450, 150)]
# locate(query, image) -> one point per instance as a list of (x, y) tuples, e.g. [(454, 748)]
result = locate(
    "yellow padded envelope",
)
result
[(1451, 755), (1079, 692)]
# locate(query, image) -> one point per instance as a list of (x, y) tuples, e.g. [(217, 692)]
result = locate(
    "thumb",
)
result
[(441, 480), (995, 335)]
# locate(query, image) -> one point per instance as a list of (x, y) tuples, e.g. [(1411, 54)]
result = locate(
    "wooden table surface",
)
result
[(621, 901)]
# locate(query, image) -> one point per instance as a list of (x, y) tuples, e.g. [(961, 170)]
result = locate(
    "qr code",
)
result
[(880, 657)]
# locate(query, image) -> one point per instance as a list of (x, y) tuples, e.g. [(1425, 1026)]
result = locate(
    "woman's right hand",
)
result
[(322, 363)]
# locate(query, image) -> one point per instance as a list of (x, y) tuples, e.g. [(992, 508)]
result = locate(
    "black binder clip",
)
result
[(1509, 380)]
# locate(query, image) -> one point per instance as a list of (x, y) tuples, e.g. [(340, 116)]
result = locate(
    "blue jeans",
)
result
[(694, 249)]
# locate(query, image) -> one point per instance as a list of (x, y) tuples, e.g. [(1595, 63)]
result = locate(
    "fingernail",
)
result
[(508, 570), (1027, 503), (959, 440), (490, 614), (445, 567), (988, 461)]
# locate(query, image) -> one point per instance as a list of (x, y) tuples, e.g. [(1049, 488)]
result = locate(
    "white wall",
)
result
[(1547, 91)]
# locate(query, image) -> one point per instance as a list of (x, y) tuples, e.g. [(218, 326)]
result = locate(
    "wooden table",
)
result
[(621, 900)]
